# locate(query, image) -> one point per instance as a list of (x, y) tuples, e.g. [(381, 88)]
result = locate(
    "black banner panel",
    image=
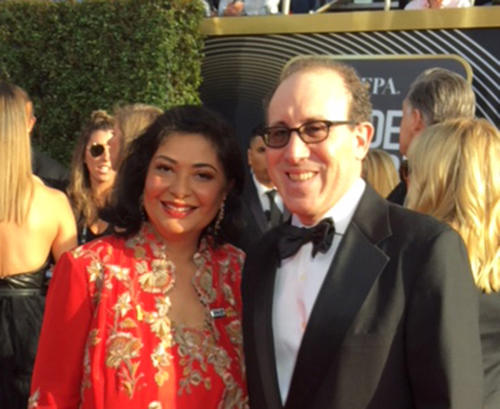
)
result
[(240, 69)]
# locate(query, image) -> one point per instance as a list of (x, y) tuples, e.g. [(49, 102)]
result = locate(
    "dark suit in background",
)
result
[(254, 219), (49, 170)]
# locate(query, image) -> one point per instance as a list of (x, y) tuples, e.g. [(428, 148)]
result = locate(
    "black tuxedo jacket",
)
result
[(394, 326)]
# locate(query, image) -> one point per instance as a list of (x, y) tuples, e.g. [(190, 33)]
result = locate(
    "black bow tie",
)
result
[(292, 238)]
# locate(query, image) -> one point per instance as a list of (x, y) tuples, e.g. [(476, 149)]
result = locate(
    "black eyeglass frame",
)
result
[(300, 132), (96, 150)]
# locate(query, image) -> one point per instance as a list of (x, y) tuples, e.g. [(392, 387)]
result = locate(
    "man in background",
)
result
[(262, 207), (436, 94)]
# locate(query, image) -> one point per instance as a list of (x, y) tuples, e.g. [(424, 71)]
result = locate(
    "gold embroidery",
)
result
[(198, 349), (122, 349), (33, 399), (122, 305), (159, 278), (161, 359)]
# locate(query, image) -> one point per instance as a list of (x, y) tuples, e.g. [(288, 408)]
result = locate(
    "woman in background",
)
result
[(152, 315), (36, 223), (380, 172), (93, 172), (455, 177)]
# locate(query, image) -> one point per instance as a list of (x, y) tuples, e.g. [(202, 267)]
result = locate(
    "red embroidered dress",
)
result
[(107, 341)]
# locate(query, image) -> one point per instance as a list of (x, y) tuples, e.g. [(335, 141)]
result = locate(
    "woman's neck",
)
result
[(179, 248), (100, 192)]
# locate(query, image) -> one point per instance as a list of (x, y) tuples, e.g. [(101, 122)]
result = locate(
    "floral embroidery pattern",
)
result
[(141, 296), (122, 349)]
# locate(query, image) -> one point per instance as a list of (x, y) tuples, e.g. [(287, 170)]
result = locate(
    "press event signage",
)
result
[(389, 78)]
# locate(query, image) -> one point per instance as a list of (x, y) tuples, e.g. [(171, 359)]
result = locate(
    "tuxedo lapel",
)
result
[(356, 266)]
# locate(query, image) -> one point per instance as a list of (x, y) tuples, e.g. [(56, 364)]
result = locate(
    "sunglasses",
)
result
[(96, 150)]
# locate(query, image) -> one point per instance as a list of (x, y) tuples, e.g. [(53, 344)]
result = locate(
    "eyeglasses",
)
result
[(310, 132), (96, 150)]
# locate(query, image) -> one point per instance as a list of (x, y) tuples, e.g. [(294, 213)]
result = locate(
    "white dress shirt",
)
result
[(297, 284)]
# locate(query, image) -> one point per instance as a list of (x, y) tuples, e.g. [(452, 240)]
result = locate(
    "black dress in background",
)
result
[(22, 301)]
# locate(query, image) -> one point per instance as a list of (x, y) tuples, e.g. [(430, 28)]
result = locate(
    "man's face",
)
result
[(257, 160), (311, 178), (410, 126)]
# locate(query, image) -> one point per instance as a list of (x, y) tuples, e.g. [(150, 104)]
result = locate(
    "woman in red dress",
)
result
[(150, 317)]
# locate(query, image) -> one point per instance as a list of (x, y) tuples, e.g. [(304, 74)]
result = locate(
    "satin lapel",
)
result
[(356, 266), (262, 326)]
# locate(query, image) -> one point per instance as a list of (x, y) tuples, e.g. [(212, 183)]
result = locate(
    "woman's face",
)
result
[(185, 186), (101, 156)]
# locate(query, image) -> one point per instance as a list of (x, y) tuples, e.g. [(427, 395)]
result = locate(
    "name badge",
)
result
[(218, 313)]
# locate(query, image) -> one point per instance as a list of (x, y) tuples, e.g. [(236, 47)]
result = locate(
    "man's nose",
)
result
[(296, 149)]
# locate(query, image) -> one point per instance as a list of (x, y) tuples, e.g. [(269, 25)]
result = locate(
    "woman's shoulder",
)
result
[(48, 196), (102, 248)]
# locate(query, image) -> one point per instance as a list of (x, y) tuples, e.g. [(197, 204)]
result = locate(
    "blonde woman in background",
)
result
[(93, 172), (36, 222), (380, 172), (455, 177)]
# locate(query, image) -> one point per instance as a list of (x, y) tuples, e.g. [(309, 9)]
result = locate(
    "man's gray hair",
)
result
[(441, 94)]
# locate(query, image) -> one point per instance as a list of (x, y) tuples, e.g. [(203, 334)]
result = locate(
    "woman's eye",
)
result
[(205, 176), (163, 168)]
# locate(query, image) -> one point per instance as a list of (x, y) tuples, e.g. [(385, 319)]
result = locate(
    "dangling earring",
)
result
[(219, 218), (141, 208)]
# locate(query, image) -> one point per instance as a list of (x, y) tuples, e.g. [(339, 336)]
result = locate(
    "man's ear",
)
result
[(418, 121), (364, 135)]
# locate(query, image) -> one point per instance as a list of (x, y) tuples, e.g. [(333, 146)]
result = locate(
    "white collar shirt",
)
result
[(297, 284)]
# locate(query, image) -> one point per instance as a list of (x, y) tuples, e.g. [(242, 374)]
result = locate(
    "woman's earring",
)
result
[(219, 218)]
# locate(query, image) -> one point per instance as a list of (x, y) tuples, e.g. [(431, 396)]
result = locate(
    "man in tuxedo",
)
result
[(436, 94), (356, 303), (262, 207)]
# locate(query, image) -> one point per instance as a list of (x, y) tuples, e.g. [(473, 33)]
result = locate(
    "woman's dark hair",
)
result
[(125, 212)]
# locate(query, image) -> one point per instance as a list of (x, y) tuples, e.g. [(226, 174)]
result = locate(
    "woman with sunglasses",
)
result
[(152, 314), (36, 227), (93, 172)]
